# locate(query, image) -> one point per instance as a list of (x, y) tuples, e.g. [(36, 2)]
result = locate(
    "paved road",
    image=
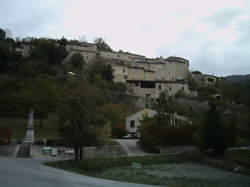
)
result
[(131, 148), (16, 172)]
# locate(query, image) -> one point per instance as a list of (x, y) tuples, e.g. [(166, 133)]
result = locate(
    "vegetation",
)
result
[(158, 130), (212, 134), (80, 115), (40, 81), (155, 170)]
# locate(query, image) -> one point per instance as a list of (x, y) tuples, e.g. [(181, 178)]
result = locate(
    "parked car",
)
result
[(132, 136)]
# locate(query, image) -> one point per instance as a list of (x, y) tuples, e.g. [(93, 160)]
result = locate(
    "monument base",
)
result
[(29, 138)]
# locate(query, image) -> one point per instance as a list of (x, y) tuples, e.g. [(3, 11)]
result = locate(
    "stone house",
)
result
[(124, 73), (169, 69), (24, 50), (133, 121), (113, 55), (205, 79), (86, 50), (152, 89)]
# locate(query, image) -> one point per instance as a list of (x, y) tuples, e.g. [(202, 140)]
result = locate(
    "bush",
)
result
[(119, 131), (154, 135)]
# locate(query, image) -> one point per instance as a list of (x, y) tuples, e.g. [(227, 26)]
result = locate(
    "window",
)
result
[(123, 70), (159, 87), (170, 88), (125, 76), (210, 80), (182, 88), (147, 95), (132, 123)]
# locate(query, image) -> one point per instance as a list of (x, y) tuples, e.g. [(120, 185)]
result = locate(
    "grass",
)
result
[(18, 128), (96, 165), (239, 156), (119, 168)]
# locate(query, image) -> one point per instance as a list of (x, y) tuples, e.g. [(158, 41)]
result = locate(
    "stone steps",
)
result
[(24, 151)]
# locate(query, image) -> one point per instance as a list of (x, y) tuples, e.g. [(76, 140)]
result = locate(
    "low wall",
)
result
[(177, 149), (8, 150), (88, 152), (104, 151)]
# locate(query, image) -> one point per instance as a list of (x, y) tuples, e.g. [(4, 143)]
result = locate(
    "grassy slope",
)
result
[(240, 156), (97, 166), (18, 127)]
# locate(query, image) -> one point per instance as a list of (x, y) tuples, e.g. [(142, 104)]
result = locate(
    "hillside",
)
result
[(237, 78)]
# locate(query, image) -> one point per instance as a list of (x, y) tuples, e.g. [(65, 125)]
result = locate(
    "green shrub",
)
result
[(154, 134)]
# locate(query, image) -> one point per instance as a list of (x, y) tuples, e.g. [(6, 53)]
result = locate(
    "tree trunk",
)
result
[(81, 153), (76, 153), (41, 121)]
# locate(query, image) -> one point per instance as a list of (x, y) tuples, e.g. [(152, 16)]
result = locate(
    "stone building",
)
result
[(24, 50), (113, 55), (86, 50), (152, 89), (205, 79), (124, 73), (169, 69)]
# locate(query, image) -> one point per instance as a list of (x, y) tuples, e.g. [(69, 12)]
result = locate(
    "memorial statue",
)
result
[(29, 138)]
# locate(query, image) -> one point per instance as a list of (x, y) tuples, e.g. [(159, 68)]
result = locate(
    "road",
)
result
[(131, 148), (16, 172)]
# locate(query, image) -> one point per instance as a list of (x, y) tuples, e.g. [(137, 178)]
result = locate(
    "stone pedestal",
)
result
[(30, 138)]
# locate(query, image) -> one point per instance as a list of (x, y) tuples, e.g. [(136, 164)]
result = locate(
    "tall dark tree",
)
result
[(213, 134), (80, 114), (2, 34)]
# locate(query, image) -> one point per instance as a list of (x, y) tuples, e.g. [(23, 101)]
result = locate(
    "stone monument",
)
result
[(29, 138)]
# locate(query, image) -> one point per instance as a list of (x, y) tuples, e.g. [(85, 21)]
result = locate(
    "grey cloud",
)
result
[(213, 57), (223, 17), (28, 17)]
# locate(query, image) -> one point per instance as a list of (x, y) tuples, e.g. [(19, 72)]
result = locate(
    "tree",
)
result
[(2, 34), (80, 114), (77, 62), (213, 135), (100, 71), (39, 93), (116, 114), (102, 45)]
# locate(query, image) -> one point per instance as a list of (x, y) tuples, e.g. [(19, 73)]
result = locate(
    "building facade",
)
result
[(152, 89), (133, 121)]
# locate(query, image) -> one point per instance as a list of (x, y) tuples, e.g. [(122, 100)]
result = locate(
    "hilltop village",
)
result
[(144, 77)]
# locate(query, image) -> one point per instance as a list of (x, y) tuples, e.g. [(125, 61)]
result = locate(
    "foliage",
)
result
[(213, 134), (192, 84), (155, 134), (80, 114), (39, 93), (100, 71), (77, 62), (5, 133), (102, 45), (116, 114), (2, 34)]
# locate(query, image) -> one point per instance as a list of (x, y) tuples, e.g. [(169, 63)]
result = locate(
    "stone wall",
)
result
[(177, 149), (104, 151), (88, 152)]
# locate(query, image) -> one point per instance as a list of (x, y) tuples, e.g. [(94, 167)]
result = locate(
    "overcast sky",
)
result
[(214, 35)]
